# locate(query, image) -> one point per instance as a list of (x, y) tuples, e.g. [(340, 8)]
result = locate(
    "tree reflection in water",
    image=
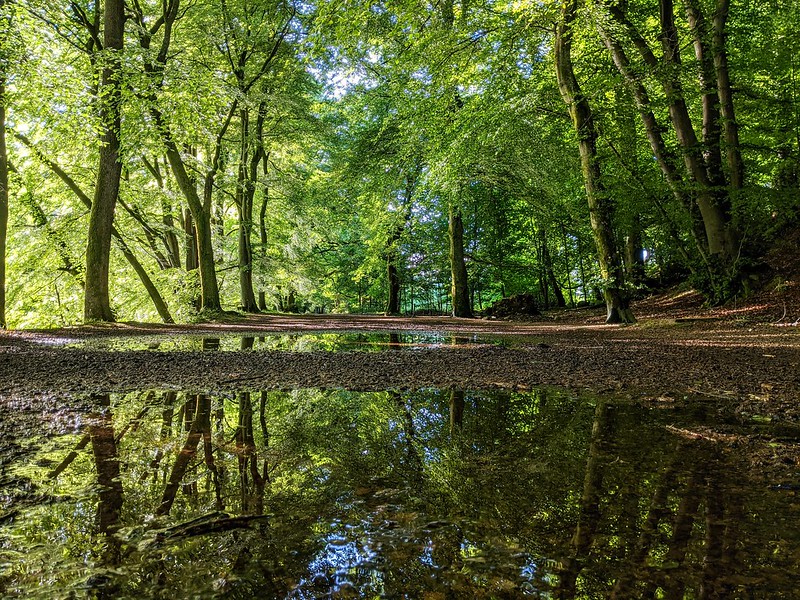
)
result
[(307, 494)]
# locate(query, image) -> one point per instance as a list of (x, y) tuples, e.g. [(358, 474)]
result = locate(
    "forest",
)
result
[(164, 159)]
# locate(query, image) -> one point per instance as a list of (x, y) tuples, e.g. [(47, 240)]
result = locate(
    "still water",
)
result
[(432, 494), (291, 342)]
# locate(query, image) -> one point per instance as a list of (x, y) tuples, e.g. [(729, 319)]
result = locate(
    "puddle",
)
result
[(428, 494), (290, 342)]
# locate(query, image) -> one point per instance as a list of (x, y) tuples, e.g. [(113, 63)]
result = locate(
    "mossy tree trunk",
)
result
[(3, 189), (601, 210), (97, 304)]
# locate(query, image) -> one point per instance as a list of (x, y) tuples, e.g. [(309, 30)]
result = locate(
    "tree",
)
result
[(254, 42), (5, 31), (600, 206), (97, 303), (154, 65), (703, 179)]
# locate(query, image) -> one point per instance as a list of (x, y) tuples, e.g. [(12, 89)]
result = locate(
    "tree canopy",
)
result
[(160, 159)]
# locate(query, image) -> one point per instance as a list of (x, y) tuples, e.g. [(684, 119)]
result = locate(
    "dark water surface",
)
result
[(432, 494)]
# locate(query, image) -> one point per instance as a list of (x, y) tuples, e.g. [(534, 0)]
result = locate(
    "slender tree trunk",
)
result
[(97, 304), (724, 90), (712, 202), (634, 257), (547, 261), (392, 252), (202, 222), (262, 224), (665, 158), (200, 207), (168, 236), (393, 277), (3, 182), (705, 184), (600, 206), (5, 34), (245, 193), (459, 287)]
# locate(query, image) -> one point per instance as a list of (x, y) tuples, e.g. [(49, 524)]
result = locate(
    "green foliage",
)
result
[(377, 118)]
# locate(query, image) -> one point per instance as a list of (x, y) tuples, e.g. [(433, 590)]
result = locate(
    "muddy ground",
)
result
[(677, 351)]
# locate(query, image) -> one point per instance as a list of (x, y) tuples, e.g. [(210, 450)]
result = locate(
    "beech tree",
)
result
[(600, 207), (97, 304), (5, 34)]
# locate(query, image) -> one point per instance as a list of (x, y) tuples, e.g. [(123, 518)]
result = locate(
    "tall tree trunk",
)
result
[(712, 202), (459, 287), (724, 90), (200, 207), (393, 277), (209, 288), (3, 176), (600, 206), (97, 304), (262, 234), (168, 236), (702, 167), (459, 284), (665, 158), (245, 193)]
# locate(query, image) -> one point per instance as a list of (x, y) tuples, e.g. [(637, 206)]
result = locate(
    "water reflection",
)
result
[(438, 494), (291, 342)]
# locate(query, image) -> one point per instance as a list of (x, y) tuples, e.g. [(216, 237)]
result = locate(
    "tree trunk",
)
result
[(600, 206), (731, 127), (392, 252), (3, 184), (209, 288), (712, 202), (97, 304), (634, 253), (168, 237), (459, 287), (664, 156), (200, 208), (245, 193), (393, 277), (703, 173), (547, 261), (262, 227)]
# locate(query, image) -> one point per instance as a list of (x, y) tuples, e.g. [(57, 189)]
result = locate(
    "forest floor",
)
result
[(747, 353)]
